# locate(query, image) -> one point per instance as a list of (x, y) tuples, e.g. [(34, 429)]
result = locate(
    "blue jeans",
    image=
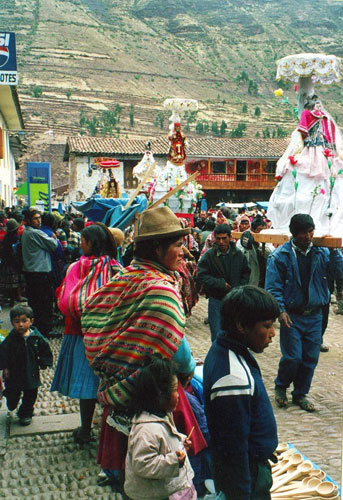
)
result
[(300, 348), (214, 317)]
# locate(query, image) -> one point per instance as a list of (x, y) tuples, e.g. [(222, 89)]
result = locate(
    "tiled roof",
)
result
[(107, 146), (236, 148), (61, 189), (197, 147)]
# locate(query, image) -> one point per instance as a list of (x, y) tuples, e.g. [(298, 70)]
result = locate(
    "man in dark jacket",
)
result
[(220, 269), (239, 414), (297, 276)]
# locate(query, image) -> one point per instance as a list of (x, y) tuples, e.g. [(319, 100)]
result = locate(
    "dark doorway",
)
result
[(241, 169), (130, 182)]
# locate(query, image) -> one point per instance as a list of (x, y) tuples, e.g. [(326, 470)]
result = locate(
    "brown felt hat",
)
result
[(11, 225), (158, 223), (118, 235)]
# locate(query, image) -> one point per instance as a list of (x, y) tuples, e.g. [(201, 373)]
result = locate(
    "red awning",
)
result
[(109, 164)]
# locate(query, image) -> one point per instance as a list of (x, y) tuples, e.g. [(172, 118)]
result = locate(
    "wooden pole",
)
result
[(135, 232), (280, 239), (175, 190), (140, 185)]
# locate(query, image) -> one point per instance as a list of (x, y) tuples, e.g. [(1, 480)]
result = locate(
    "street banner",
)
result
[(39, 185), (8, 59)]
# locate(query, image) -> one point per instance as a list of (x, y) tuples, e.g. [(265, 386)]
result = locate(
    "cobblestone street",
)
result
[(39, 463)]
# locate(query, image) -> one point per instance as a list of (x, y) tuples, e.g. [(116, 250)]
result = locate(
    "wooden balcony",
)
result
[(237, 181)]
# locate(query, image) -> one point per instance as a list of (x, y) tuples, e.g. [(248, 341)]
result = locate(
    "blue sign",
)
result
[(8, 59), (39, 185)]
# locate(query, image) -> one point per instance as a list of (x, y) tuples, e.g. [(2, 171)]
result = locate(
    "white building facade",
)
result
[(10, 120)]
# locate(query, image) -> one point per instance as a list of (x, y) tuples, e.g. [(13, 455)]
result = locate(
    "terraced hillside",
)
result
[(92, 56)]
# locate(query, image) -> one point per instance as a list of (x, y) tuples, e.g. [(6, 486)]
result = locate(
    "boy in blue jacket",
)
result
[(22, 354), (239, 413)]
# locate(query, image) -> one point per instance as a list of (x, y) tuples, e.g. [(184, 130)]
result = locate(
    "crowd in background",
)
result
[(123, 298), (68, 226)]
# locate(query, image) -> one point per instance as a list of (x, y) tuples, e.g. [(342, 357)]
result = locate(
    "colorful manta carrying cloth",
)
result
[(138, 312), (83, 278)]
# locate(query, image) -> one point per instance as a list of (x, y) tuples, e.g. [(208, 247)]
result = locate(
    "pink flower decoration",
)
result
[(322, 191), (278, 177), (296, 88), (292, 160), (170, 189)]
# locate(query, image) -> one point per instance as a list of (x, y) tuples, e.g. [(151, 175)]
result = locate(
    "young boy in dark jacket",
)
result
[(239, 414), (22, 354)]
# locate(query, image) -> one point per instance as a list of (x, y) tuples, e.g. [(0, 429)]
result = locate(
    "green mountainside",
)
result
[(116, 61)]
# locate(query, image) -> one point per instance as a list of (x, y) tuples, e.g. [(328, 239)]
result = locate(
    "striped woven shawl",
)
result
[(138, 312), (83, 278)]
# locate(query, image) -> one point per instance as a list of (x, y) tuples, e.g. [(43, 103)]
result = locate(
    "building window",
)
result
[(230, 170), (196, 166), (253, 170), (130, 182), (271, 167), (268, 170), (219, 167)]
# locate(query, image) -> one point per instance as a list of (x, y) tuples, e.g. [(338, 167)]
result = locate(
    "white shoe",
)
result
[(209, 483)]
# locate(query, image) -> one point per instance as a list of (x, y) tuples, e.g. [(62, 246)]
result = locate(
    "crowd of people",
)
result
[(124, 299)]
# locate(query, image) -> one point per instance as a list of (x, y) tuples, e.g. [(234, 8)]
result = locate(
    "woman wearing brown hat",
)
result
[(73, 377), (11, 278), (138, 313)]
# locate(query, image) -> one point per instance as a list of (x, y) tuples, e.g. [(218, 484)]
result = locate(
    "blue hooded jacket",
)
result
[(283, 277)]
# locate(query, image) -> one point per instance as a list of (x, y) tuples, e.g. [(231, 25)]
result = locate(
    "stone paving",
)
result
[(46, 464)]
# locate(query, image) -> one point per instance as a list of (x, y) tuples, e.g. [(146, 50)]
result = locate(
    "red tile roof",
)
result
[(197, 147)]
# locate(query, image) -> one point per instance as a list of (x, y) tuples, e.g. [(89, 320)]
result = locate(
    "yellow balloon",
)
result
[(278, 93)]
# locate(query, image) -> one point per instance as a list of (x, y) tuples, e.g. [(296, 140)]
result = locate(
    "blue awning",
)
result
[(111, 211), (263, 204)]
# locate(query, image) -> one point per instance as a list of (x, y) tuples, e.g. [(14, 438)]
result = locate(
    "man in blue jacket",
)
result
[(240, 417), (297, 276)]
